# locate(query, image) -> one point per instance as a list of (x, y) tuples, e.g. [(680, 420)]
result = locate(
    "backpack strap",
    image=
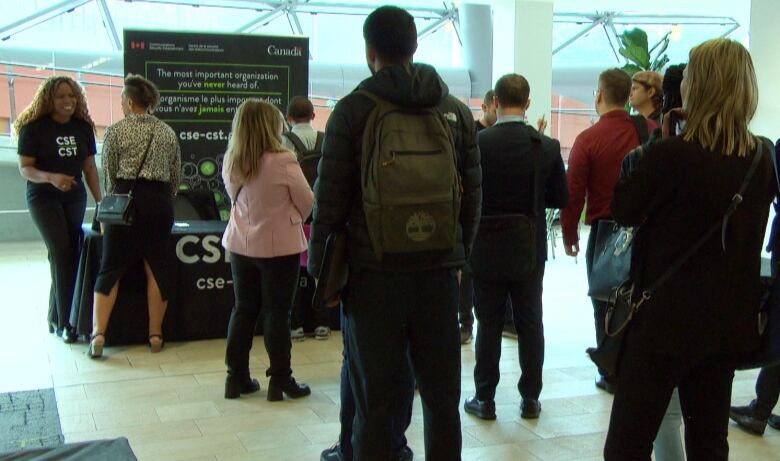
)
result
[(300, 149), (641, 128), (318, 142)]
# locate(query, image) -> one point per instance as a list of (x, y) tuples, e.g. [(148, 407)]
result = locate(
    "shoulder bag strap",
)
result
[(735, 201), (297, 143), (640, 123), (141, 166), (318, 142)]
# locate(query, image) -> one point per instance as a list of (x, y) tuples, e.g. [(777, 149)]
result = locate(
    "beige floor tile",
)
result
[(293, 453), (237, 423), (187, 411), (573, 448), (324, 434), (182, 449), (68, 407), (193, 367), (70, 393), (559, 426), (269, 438), (150, 433), (498, 434), (131, 388), (507, 452), (77, 423), (126, 417), (107, 375)]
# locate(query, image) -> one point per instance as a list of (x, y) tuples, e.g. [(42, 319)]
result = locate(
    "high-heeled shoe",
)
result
[(287, 386), (234, 387), (96, 343), (156, 343)]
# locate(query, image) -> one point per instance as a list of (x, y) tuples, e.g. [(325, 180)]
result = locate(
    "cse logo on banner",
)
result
[(193, 249)]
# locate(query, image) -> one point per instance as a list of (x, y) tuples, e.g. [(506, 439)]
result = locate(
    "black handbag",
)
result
[(624, 300), (611, 259), (513, 236), (118, 209)]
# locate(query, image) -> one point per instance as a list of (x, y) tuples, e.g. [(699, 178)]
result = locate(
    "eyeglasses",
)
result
[(596, 91)]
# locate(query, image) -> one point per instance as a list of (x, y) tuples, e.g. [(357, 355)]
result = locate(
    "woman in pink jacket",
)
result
[(271, 199)]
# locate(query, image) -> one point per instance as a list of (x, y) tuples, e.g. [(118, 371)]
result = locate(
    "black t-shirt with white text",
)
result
[(58, 147)]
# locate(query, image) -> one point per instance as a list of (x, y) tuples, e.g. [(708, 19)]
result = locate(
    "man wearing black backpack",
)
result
[(400, 174), (302, 138)]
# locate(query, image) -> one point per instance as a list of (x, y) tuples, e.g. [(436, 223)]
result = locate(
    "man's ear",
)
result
[(528, 104), (313, 114)]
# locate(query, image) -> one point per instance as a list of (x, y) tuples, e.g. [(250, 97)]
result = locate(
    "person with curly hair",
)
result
[(56, 150)]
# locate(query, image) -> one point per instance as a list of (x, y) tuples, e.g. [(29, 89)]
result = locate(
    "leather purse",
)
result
[(118, 209), (623, 302), (334, 271), (611, 259)]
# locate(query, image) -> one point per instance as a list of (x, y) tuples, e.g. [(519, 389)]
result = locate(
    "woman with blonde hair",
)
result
[(140, 154), (271, 199), (56, 148), (697, 323)]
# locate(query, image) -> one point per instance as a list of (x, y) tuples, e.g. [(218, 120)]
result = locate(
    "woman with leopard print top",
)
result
[(144, 146)]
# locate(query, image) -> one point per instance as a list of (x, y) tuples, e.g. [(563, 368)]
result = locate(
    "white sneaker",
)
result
[(297, 334), (322, 332)]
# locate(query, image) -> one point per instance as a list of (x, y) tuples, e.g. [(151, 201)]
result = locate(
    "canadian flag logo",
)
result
[(137, 45)]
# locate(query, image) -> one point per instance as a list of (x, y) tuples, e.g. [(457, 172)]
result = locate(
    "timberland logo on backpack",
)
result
[(420, 226)]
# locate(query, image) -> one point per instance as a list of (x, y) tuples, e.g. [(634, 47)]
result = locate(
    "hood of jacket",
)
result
[(410, 85)]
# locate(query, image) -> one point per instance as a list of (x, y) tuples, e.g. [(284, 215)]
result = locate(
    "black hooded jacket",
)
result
[(337, 192)]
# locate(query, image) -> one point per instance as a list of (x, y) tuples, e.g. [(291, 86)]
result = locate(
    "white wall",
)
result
[(764, 41)]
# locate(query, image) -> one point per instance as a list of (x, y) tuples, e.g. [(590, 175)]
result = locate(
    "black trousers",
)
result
[(267, 286), (402, 410), (599, 307), (58, 216), (466, 300), (644, 387), (490, 307), (767, 391), (390, 315)]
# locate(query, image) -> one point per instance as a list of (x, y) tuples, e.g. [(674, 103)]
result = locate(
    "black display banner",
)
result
[(203, 78)]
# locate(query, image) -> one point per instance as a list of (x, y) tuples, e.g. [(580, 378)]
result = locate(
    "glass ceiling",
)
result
[(338, 37)]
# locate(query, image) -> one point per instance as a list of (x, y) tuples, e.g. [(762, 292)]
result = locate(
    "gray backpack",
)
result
[(409, 179)]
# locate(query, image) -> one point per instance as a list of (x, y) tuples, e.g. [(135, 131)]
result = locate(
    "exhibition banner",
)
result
[(203, 78)]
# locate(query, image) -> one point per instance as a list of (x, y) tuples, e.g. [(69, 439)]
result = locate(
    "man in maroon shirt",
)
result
[(594, 167)]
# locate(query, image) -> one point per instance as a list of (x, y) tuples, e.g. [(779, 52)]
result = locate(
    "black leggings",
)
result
[(58, 216), (264, 285)]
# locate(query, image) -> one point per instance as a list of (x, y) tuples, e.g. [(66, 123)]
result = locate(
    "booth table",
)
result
[(199, 307), (202, 300)]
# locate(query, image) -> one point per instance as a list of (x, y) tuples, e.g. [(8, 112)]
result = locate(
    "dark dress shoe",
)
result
[(746, 418), (69, 335), (774, 422), (287, 386), (482, 409), (530, 409), (605, 384), (406, 454), (333, 454), (234, 387)]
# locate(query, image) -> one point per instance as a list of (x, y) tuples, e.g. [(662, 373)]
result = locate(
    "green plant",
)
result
[(639, 57)]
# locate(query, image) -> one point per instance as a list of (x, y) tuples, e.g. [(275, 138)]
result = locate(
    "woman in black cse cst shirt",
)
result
[(56, 145)]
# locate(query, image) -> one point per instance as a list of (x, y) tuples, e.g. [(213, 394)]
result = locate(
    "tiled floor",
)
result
[(170, 405)]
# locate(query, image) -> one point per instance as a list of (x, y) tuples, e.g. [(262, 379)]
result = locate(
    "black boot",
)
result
[(69, 335), (288, 386), (747, 419), (235, 386)]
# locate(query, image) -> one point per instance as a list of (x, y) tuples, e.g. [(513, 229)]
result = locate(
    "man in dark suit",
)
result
[(510, 150)]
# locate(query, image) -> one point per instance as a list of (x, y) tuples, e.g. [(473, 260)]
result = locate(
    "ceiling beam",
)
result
[(39, 17), (108, 23)]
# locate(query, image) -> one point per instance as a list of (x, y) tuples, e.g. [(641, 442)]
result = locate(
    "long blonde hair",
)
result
[(256, 130), (721, 96), (43, 102)]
